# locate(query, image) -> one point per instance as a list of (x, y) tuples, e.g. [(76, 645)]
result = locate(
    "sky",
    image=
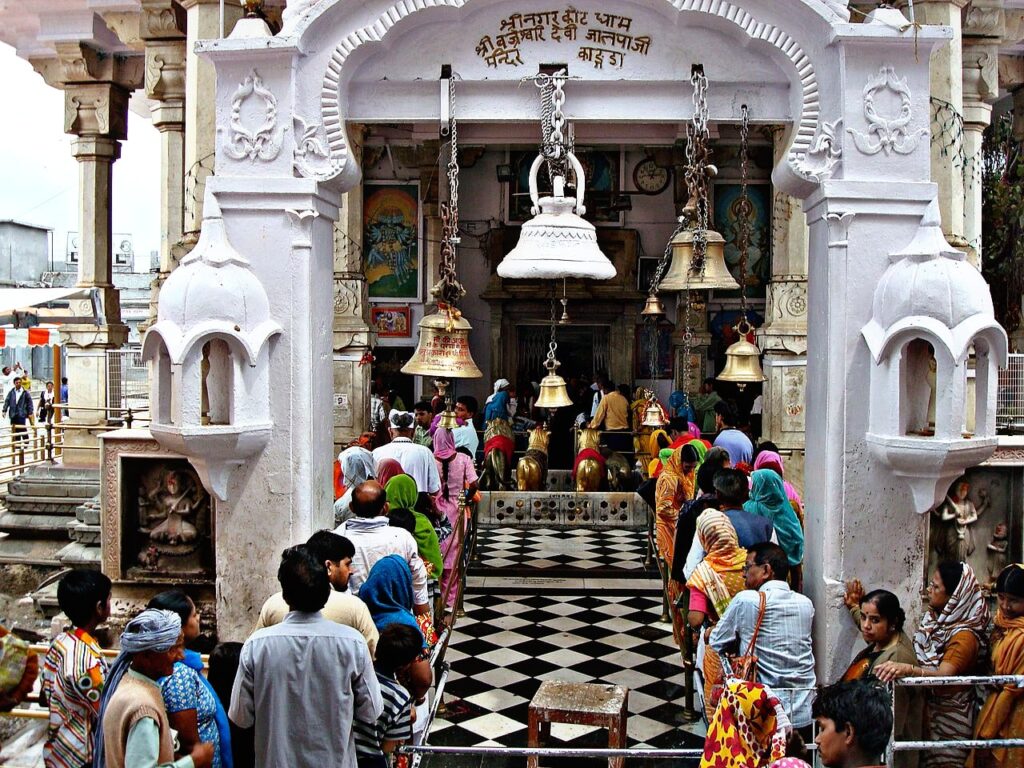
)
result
[(39, 177)]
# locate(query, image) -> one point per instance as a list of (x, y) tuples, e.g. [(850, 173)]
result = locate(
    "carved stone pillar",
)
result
[(947, 104), (202, 23), (783, 338), (162, 26), (983, 28), (96, 91), (352, 335)]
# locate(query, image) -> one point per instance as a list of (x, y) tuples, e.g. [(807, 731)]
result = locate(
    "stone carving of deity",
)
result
[(173, 520), (954, 538)]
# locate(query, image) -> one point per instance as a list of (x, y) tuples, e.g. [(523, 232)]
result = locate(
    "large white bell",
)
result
[(557, 241)]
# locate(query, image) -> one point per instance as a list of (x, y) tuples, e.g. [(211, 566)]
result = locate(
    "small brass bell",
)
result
[(552, 388), (564, 319), (653, 306), (682, 276), (448, 420), (742, 360), (653, 416), (443, 348)]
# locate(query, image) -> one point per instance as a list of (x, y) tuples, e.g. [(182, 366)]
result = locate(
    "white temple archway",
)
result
[(855, 95)]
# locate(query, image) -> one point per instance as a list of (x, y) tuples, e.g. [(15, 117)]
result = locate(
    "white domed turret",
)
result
[(931, 309), (211, 358)]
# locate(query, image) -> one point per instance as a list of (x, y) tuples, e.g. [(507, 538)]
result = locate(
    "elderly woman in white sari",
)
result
[(356, 468)]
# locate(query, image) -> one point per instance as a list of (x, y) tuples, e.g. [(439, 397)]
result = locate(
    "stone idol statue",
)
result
[(953, 537), (174, 521)]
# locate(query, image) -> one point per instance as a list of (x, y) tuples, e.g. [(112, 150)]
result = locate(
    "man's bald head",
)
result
[(369, 499)]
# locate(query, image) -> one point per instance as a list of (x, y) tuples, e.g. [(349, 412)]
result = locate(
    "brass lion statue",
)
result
[(532, 469)]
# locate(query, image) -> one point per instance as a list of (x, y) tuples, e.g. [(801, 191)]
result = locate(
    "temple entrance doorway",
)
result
[(582, 350)]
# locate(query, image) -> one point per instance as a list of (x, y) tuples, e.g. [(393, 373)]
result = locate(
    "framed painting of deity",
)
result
[(391, 240), (726, 217), (603, 171), (391, 322)]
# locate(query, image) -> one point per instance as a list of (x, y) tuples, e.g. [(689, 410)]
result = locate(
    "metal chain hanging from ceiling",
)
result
[(744, 207), (448, 289), (698, 168), (552, 120)]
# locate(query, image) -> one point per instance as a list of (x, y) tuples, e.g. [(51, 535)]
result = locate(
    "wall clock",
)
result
[(651, 178)]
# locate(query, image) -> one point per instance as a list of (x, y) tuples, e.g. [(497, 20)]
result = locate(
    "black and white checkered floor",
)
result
[(507, 643), (555, 552)]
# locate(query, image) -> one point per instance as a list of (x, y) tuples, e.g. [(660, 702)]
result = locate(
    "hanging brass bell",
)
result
[(553, 393), (564, 319), (557, 241), (443, 348), (653, 416), (653, 306), (742, 360), (448, 420), (682, 276)]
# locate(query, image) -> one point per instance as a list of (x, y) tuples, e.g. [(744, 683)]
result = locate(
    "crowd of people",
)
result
[(337, 668), (336, 671), (729, 529)]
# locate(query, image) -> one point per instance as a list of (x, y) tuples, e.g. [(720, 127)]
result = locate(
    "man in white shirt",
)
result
[(374, 537), (785, 658), (417, 460), (301, 683)]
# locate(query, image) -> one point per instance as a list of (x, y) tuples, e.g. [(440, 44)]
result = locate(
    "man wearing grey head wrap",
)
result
[(134, 731)]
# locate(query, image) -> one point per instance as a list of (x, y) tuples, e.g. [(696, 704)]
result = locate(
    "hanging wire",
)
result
[(551, 363)]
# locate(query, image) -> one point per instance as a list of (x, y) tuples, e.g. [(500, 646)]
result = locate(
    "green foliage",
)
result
[(1002, 221)]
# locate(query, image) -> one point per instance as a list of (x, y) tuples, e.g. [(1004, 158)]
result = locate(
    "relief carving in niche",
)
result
[(259, 143), (887, 132), (167, 530)]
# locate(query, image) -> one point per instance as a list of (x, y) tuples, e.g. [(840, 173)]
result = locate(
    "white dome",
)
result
[(946, 289), (212, 293), (930, 291)]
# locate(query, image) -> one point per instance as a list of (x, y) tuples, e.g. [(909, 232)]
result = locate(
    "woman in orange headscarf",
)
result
[(1002, 717), (675, 486), (715, 582)]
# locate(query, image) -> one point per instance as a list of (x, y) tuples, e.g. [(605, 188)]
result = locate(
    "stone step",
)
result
[(52, 487), (78, 555), (46, 526), (86, 534), (43, 505), (45, 600), (89, 512), (31, 551)]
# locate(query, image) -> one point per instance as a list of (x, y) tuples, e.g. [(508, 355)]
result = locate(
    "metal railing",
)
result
[(1010, 396), (127, 379)]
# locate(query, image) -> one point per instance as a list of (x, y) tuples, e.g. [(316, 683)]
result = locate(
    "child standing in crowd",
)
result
[(398, 648), (74, 671)]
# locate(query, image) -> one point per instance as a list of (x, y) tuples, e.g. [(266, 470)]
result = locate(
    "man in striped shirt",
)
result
[(399, 646), (74, 671)]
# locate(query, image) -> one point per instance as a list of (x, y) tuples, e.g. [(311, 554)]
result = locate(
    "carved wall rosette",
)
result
[(259, 143), (887, 133)]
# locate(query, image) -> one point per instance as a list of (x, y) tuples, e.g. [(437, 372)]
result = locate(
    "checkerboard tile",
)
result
[(506, 645), (551, 552)]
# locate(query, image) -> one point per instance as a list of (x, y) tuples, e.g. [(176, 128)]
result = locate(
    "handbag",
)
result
[(736, 667)]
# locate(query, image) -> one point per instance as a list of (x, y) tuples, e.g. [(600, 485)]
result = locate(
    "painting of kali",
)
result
[(391, 248)]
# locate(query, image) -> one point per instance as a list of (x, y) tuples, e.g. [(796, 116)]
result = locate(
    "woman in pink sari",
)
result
[(457, 475)]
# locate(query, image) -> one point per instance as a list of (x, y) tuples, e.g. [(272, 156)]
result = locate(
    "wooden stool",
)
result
[(578, 704)]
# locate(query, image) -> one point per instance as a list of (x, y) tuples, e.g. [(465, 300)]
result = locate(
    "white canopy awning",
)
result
[(14, 299)]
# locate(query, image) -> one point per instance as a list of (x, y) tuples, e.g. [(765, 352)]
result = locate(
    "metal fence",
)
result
[(127, 379), (1010, 407)]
